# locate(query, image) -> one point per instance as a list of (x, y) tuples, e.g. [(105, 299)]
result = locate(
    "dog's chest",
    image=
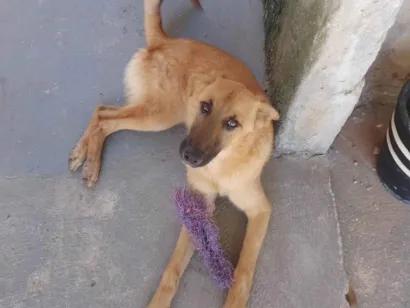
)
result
[(221, 181)]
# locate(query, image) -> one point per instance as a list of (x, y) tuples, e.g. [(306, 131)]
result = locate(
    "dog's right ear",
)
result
[(265, 114)]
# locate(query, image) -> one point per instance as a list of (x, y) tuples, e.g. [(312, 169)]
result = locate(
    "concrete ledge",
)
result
[(317, 56)]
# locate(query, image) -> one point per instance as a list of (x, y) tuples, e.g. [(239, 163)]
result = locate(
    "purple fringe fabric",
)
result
[(192, 212)]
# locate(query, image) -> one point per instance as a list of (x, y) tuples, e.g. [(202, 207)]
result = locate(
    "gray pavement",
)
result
[(62, 245), (66, 246), (374, 226)]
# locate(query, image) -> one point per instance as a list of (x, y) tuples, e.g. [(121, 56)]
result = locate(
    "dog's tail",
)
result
[(154, 33)]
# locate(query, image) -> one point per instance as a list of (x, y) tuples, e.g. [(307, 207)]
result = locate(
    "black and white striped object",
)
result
[(393, 162)]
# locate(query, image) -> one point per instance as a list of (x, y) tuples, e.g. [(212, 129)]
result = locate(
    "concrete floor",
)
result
[(63, 245), (375, 227)]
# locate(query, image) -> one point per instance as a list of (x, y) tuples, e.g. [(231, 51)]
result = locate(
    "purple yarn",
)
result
[(192, 212)]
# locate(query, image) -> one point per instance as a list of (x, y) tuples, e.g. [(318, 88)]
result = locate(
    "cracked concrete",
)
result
[(374, 226)]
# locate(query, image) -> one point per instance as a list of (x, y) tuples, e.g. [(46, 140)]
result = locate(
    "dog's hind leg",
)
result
[(79, 153), (106, 120)]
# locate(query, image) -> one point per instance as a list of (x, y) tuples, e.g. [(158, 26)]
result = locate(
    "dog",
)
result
[(230, 136)]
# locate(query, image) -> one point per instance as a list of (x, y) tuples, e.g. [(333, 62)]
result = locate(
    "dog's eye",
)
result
[(206, 107), (231, 124)]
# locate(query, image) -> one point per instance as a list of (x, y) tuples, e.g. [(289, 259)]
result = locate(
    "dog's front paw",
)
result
[(157, 303), (77, 156), (237, 298), (234, 303)]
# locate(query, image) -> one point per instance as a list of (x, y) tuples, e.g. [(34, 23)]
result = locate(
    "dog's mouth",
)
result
[(193, 156)]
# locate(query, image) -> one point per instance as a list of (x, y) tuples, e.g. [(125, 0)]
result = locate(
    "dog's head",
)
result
[(225, 113)]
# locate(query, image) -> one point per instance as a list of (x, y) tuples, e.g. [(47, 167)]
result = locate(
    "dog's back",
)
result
[(178, 56)]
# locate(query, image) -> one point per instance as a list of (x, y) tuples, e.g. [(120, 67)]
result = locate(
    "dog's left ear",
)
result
[(265, 114)]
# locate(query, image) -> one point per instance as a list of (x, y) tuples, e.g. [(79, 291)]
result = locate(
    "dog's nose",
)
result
[(192, 156)]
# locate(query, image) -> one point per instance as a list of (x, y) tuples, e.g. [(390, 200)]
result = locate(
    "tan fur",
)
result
[(165, 83)]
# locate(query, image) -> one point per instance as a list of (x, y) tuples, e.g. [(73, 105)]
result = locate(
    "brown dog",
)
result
[(230, 137)]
